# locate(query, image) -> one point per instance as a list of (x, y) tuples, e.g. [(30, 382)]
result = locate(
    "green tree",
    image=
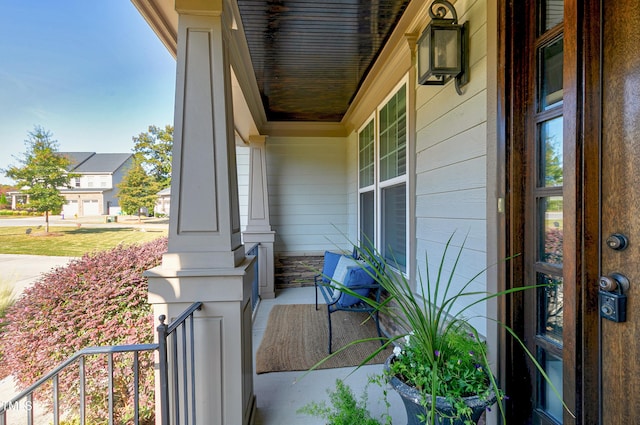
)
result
[(153, 150), (553, 162), (43, 173), (137, 190)]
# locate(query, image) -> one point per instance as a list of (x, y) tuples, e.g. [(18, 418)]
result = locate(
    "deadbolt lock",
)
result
[(612, 299), (617, 242)]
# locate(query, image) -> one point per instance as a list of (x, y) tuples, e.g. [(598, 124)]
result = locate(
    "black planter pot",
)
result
[(412, 403)]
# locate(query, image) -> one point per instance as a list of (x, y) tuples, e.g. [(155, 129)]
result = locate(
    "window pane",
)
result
[(394, 225), (366, 150), (550, 145), (550, 307), (550, 233), (367, 220), (393, 137)]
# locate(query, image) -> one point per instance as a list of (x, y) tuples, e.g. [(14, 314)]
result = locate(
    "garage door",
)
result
[(90, 207), (70, 209)]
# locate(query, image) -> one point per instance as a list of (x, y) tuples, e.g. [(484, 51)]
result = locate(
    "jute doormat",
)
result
[(297, 335)]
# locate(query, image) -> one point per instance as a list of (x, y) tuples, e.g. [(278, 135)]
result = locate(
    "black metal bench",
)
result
[(340, 272)]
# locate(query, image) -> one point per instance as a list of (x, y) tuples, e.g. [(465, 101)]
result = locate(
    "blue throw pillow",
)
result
[(356, 276), (330, 262)]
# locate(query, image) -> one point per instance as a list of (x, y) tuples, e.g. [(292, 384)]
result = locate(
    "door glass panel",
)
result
[(550, 235), (550, 153), (551, 14), (549, 401), (550, 87), (547, 185), (550, 305)]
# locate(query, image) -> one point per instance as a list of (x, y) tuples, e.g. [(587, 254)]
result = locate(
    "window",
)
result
[(382, 166), (366, 148)]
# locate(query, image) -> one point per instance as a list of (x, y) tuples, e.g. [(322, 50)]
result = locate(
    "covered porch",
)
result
[(280, 394)]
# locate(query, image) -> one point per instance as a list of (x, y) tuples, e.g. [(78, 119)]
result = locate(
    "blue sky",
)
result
[(92, 72)]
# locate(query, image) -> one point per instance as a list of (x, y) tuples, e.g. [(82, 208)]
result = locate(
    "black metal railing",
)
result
[(255, 285), (25, 400), (176, 368)]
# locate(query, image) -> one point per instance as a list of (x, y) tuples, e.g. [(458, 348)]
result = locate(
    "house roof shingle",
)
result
[(91, 162)]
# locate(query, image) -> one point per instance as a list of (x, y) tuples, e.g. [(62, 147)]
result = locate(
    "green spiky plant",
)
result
[(438, 352)]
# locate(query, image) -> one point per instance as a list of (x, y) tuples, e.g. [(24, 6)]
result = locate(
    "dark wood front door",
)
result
[(620, 207), (570, 114)]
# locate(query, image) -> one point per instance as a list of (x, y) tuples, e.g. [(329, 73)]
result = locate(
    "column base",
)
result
[(222, 331), (266, 260)]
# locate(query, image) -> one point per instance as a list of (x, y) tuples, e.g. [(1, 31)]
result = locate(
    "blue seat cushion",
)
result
[(356, 276)]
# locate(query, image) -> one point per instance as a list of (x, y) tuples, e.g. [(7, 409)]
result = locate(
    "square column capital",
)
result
[(199, 7)]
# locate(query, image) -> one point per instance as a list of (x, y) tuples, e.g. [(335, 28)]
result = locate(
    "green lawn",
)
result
[(70, 241)]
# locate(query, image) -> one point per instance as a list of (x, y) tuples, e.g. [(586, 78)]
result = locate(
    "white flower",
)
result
[(407, 338), (397, 351)]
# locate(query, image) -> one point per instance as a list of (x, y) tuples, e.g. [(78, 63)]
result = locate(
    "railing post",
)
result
[(164, 374), (83, 398), (56, 401)]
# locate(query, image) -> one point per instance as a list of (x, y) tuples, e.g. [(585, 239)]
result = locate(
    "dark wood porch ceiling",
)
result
[(311, 56)]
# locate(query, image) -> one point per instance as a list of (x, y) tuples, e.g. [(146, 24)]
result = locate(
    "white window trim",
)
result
[(378, 185)]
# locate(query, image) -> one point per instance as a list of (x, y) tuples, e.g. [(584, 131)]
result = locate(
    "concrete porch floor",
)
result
[(278, 397)]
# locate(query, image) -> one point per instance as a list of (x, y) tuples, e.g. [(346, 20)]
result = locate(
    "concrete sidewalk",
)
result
[(24, 270)]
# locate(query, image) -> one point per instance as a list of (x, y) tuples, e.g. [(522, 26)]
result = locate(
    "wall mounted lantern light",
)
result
[(442, 48)]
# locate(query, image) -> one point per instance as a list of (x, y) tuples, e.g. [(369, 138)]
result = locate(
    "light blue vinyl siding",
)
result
[(308, 198)]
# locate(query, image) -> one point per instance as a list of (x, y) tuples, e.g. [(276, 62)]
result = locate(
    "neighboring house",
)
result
[(18, 199), (94, 191), (163, 202)]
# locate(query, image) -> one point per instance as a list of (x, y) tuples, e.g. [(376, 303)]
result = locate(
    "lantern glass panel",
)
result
[(424, 55), (445, 49)]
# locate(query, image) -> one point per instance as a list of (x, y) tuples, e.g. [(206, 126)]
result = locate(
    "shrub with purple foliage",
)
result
[(99, 299)]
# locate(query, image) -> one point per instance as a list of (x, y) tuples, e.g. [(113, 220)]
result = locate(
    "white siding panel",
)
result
[(468, 144), (468, 203), (458, 176), (468, 114), (307, 193), (440, 229)]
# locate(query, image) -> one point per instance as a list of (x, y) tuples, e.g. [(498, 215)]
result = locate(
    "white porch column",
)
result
[(206, 260), (258, 224)]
